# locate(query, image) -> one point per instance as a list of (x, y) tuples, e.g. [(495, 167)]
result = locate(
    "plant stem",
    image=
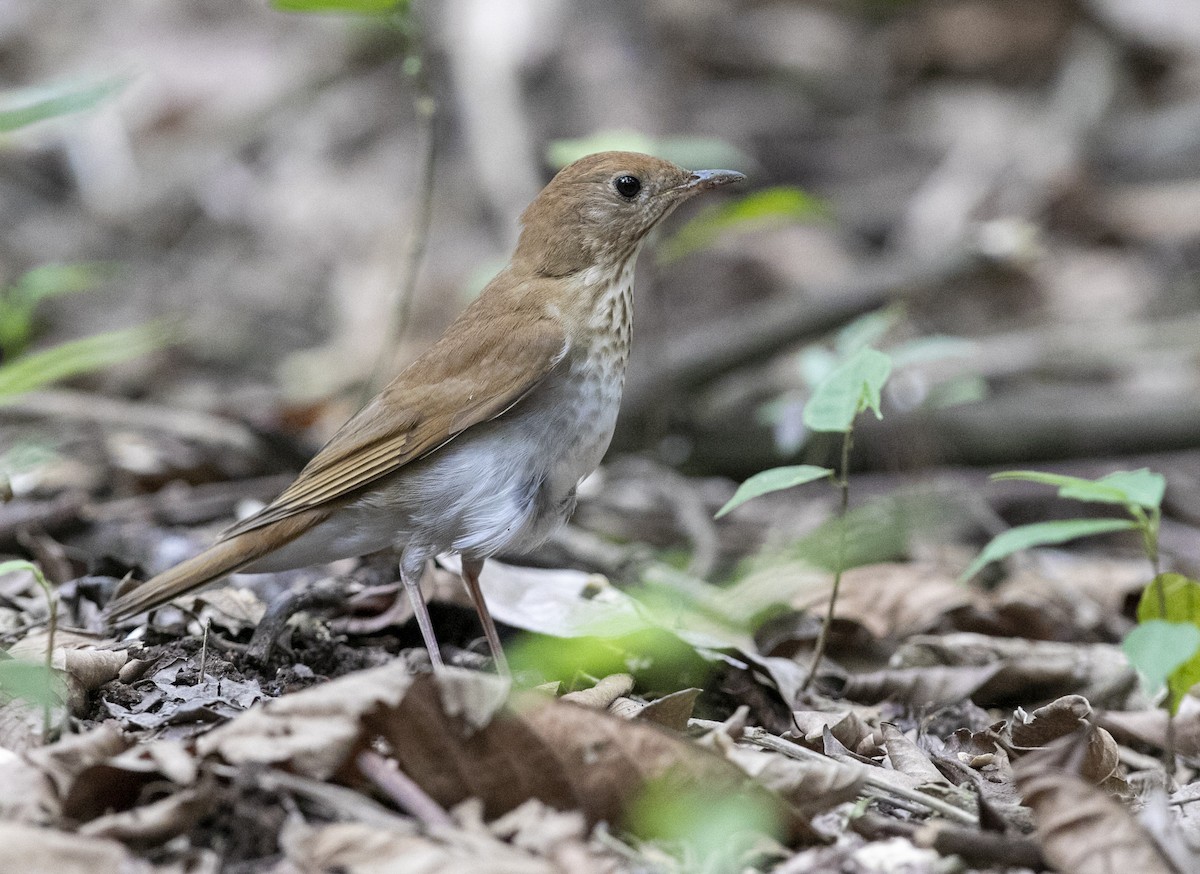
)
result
[(418, 235), (843, 482), (51, 628)]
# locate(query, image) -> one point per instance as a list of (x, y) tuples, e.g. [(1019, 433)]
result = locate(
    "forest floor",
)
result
[(662, 724)]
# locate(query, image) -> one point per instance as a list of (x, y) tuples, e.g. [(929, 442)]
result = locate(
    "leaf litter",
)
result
[(936, 730)]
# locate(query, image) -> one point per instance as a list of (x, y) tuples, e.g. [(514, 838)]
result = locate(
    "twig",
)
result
[(418, 236), (763, 738), (402, 789)]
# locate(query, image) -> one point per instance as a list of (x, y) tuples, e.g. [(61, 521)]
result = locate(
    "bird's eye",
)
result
[(627, 186)]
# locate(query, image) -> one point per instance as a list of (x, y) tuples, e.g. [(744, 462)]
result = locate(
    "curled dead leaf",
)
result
[(1082, 829)]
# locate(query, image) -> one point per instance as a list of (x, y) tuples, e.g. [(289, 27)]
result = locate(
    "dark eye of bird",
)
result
[(627, 186)]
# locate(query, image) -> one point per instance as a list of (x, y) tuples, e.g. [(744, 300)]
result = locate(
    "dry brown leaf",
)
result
[(355, 848), (851, 730), (604, 693), (671, 711), (1028, 668), (933, 686), (1150, 726), (567, 756), (32, 850), (88, 669), (35, 783), (811, 785), (1066, 716), (313, 731), (1082, 829), (156, 823), (908, 758), (890, 599)]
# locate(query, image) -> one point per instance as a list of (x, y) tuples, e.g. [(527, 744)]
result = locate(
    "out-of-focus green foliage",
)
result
[(1141, 488), (1159, 649), (695, 153), (76, 357), (24, 106), (19, 301), (26, 372), (31, 682), (354, 7), (707, 832), (1024, 537), (770, 207)]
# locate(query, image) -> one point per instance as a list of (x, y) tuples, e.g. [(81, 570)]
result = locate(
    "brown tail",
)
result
[(223, 557)]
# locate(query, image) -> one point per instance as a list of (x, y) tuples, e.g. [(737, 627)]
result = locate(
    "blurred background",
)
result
[(1015, 184)]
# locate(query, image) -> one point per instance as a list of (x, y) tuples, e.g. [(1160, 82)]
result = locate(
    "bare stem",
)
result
[(843, 482), (418, 235)]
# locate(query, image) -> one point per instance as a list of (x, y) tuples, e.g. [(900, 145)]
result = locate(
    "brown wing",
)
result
[(483, 364)]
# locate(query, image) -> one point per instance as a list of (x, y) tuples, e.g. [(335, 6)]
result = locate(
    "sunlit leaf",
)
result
[(1182, 597), (1043, 534), (774, 480), (1159, 648), (1143, 487), (24, 106), (695, 153), (76, 357), (853, 386), (769, 207)]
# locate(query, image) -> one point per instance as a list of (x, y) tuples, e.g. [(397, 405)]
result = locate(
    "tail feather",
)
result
[(222, 558)]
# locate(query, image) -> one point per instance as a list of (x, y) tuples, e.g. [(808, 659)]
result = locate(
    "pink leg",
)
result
[(411, 577), (470, 575)]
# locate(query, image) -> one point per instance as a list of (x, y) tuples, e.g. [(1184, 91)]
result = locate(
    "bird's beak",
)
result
[(703, 180)]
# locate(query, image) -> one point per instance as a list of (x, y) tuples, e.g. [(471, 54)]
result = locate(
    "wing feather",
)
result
[(480, 368)]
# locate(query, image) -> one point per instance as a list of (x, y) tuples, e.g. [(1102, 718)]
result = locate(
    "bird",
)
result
[(477, 447)]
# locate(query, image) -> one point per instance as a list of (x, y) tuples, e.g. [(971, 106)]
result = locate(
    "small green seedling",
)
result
[(37, 684), (849, 389), (1165, 646)]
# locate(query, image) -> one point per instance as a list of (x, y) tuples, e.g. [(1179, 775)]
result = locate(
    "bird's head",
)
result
[(597, 210)]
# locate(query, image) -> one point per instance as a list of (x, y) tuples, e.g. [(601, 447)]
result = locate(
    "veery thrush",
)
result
[(477, 447)]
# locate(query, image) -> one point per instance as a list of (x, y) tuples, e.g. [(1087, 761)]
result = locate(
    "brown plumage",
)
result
[(477, 446)]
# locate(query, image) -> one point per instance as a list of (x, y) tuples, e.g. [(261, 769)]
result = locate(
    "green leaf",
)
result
[(868, 329), (1182, 597), (853, 386), (18, 303), (16, 565), (1043, 534), (25, 106), (936, 347), (76, 357), (355, 7), (1158, 648), (31, 682), (1142, 487), (708, 831), (770, 207), (774, 480), (695, 153)]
